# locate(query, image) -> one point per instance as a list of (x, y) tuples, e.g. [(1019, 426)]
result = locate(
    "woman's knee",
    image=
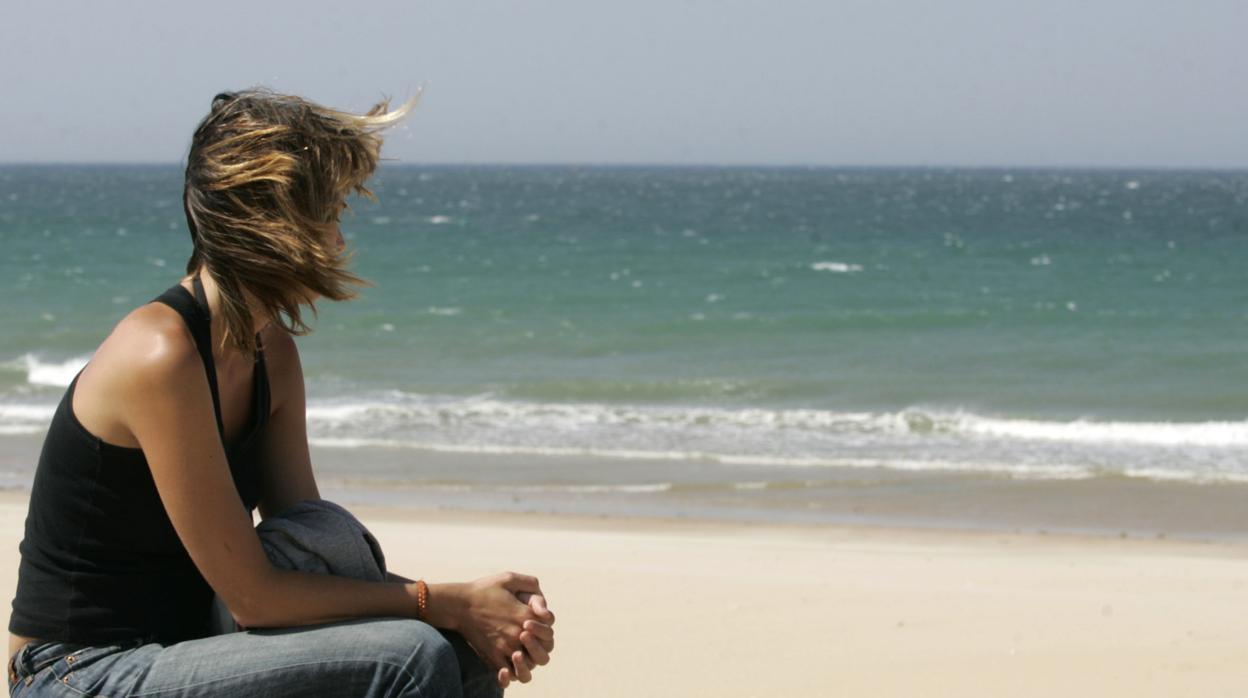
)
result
[(422, 656)]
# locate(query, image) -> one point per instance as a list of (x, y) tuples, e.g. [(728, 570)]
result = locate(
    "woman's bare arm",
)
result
[(166, 403), (286, 476)]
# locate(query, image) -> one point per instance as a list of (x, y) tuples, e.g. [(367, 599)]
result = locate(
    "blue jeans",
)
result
[(366, 657)]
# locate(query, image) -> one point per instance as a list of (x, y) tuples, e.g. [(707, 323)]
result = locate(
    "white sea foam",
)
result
[(1172, 475), (639, 488), (1056, 471), (42, 372), (26, 413), (440, 220), (836, 267), (406, 410), (909, 440), (503, 450), (434, 310), (749, 485), (914, 440), (1215, 434), (17, 419), (485, 410)]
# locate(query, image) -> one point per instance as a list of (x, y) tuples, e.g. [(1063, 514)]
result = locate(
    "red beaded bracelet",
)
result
[(422, 599)]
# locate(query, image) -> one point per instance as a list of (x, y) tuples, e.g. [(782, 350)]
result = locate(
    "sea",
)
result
[(740, 339)]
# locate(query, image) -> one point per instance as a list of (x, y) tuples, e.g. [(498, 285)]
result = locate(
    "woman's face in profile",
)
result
[(336, 239)]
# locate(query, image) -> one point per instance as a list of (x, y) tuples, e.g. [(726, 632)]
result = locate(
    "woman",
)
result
[(189, 416)]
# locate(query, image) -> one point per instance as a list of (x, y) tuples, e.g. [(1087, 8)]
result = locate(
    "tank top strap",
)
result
[(194, 311)]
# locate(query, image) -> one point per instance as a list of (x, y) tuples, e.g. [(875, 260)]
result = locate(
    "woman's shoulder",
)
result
[(150, 349), (151, 339)]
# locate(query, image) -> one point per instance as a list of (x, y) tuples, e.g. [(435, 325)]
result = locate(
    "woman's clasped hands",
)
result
[(504, 618)]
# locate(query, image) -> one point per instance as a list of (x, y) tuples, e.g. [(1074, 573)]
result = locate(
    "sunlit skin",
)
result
[(146, 383)]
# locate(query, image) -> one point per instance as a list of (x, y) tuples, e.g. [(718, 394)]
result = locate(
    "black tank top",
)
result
[(101, 561)]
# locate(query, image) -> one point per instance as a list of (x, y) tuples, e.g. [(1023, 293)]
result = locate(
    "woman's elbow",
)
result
[(255, 603)]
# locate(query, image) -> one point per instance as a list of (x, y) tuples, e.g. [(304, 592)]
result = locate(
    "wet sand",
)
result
[(1113, 506)]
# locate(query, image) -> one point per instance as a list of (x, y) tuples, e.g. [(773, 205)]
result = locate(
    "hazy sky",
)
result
[(870, 82)]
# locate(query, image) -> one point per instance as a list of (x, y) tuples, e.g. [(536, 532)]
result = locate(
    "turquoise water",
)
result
[(1042, 324)]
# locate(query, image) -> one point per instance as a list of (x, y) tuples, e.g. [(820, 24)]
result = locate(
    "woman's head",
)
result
[(266, 178)]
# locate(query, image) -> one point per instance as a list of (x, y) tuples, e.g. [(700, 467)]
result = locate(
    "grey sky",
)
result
[(870, 82)]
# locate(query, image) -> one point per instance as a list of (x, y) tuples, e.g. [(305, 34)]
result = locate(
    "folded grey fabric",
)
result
[(313, 536), (322, 537)]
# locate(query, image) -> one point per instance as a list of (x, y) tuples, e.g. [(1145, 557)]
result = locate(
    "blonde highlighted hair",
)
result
[(266, 177)]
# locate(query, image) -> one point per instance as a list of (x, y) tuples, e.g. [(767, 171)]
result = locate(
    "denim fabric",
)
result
[(365, 658)]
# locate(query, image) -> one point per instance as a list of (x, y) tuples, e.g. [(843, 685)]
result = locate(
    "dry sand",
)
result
[(658, 608)]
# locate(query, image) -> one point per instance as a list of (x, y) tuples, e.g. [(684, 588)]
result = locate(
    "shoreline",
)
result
[(678, 528), (1112, 506), (1107, 508), (475, 485)]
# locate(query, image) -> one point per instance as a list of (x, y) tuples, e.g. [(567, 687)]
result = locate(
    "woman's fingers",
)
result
[(521, 666), (516, 582), (544, 633), (534, 647), (508, 624), (537, 602)]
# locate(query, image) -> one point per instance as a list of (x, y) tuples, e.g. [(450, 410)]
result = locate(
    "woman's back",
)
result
[(101, 560)]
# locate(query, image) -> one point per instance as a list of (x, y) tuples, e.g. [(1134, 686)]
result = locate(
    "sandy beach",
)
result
[(669, 608)]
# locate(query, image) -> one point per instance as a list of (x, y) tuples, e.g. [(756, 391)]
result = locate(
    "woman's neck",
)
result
[(212, 294)]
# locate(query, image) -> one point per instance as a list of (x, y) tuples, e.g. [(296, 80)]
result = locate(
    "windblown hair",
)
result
[(265, 180)]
